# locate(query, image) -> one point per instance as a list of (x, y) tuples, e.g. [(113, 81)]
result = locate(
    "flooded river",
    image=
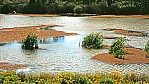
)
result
[(65, 53)]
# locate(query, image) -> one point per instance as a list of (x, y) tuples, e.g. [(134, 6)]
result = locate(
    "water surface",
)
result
[(65, 53)]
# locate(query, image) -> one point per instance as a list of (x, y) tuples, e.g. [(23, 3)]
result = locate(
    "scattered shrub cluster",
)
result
[(117, 48), (10, 77), (93, 41), (96, 41), (30, 42)]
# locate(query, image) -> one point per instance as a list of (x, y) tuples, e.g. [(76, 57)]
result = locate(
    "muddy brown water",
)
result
[(64, 53)]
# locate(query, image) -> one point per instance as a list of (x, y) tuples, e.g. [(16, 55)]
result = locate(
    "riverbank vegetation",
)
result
[(115, 77), (64, 7)]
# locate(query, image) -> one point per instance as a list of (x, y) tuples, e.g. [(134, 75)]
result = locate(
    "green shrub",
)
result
[(78, 9), (1, 78), (147, 49), (30, 42), (9, 77), (36, 8), (89, 9), (106, 81), (60, 9), (82, 80), (52, 8), (93, 41), (103, 9), (69, 7), (117, 48)]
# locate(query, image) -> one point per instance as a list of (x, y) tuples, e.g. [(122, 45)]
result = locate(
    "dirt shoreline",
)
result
[(9, 66), (121, 16), (128, 32), (19, 33), (134, 55)]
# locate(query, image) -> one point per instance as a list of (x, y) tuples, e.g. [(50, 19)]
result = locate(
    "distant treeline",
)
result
[(118, 7)]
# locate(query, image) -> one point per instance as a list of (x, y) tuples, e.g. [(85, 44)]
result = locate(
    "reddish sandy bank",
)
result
[(109, 37), (133, 55), (121, 16), (19, 33), (127, 32), (8, 66)]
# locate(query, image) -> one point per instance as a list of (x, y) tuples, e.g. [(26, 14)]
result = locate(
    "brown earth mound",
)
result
[(109, 37), (8, 66), (127, 32), (134, 55), (19, 33)]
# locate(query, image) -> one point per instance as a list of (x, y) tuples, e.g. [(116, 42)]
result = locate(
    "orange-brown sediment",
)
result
[(134, 55), (19, 33), (8, 66), (127, 32), (109, 37), (121, 16)]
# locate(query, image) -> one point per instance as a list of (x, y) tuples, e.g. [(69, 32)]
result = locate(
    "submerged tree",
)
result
[(30, 42)]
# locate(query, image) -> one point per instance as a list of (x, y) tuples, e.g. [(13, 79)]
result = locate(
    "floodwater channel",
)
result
[(64, 53)]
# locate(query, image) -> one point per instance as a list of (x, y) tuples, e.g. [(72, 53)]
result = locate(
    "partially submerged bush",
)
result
[(30, 42), (93, 41), (147, 49), (117, 48)]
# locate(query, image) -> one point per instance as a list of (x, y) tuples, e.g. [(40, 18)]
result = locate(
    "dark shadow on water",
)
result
[(9, 43), (2, 44), (49, 28), (59, 39), (29, 52)]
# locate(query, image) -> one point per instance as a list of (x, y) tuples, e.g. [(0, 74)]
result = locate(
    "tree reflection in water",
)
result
[(52, 40)]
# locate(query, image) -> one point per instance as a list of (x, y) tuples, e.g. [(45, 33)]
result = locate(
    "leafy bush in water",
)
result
[(93, 41), (30, 42), (147, 49), (117, 48)]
